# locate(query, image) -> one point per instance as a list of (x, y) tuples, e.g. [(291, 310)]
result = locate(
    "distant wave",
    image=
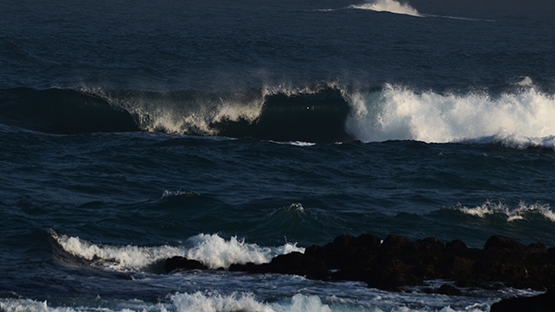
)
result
[(519, 117), (499, 208), (211, 250), (391, 6)]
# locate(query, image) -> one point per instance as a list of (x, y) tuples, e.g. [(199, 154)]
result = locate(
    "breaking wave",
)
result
[(520, 117), (210, 249), (391, 6), (515, 119), (499, 208), (183, 302)]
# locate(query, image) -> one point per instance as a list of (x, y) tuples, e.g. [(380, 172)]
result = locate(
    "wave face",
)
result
[(62, 111), (391, 6)]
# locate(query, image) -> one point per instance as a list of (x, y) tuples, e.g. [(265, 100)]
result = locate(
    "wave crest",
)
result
[(399, 113), (391, 6), (519, 213), (211, 250)]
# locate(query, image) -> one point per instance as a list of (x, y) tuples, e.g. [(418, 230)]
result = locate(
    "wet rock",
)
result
[(457, 247), (398, 262), (449, 290), (501, 244), (182, 264), (540, 303)]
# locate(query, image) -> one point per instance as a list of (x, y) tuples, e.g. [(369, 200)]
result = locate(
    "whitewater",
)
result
[(518, 118)]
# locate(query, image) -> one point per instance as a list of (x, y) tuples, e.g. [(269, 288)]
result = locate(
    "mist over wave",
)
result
[(391, 6)]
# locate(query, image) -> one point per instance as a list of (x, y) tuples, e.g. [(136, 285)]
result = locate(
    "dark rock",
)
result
[(540, 303), (393, 244), (398, 262), (449, 290), (536, 248), (294, 263), (183, 264), (456, 246), (503, 244), (346, 251), (430, 244)]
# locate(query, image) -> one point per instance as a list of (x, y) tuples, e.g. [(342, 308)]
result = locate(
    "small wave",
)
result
[(116, 258), (215, 252), (525, 82), (212, 250), (519, 213), (215, 302), (391, 6), (197, 302), (183, 193)]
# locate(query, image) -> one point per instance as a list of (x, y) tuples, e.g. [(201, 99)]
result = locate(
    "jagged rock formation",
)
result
[(397, 261)]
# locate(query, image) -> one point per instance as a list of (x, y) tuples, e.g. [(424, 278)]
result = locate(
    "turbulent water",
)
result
[(233, 132)]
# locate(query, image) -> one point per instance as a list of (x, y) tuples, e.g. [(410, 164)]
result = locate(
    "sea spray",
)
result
[(400, 113)]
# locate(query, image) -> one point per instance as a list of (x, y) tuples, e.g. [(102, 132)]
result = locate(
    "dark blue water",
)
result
[(232, 132)]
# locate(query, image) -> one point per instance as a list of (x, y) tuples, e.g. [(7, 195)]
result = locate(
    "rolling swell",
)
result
[(62, 111), (311, 116)]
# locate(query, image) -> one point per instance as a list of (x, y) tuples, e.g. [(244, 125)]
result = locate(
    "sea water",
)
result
[(233, 132)]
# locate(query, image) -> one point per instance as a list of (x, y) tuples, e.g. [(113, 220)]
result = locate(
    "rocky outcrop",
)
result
[(182, 264), (540, 303), (397, 261)]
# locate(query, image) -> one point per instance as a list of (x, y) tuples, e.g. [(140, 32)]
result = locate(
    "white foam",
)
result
[(190, 115), (525, 82), (391, 6), (201, 302), (512, 214), (215, 252), (210, 249), (27, 305), (184, 302), (117, 258), (399, 113)]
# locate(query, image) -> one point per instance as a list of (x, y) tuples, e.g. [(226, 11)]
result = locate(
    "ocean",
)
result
[(235, 131)]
